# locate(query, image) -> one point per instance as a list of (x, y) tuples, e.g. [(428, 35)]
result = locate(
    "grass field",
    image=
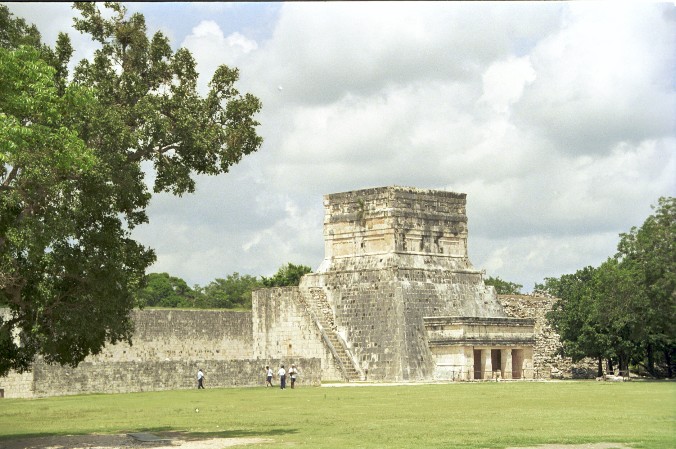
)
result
[(458, 415)]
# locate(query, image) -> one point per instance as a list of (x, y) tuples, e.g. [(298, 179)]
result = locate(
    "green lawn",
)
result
[(457, 415)]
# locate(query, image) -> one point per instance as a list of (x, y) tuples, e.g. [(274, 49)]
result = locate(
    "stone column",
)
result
[(528, 366), (506, 363), (468, 369), (486, 364)]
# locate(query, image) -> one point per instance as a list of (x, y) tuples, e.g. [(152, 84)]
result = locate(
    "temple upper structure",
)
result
[(396, 297)]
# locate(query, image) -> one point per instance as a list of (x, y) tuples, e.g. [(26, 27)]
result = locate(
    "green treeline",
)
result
[(233, 292), (503, 287), (623, 312)]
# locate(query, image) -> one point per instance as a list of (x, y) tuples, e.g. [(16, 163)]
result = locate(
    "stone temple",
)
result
[(396, 297)]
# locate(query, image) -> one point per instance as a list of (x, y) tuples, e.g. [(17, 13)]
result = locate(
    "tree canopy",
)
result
[(287, 275), (15, 31), (232, 292), (163, 290), (624, 311), (71, 184), (503, 287)]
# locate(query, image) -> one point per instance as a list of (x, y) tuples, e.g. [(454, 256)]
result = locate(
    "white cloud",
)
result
[(211, 48), (557, 119), (606, 76), (504, 82)]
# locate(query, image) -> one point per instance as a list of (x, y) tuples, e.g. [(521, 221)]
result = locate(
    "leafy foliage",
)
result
[(624, 310), (163, 290), (503, 287), (232, 292), (71, 184), (649, 252), (287, 275), (15, 32)]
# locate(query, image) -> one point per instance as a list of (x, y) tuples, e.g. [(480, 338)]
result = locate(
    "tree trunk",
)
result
[(623, 365), (599, 372), (651, 359), (609, 366)]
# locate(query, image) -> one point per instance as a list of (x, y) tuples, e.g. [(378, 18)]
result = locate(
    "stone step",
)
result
[(321, 310)]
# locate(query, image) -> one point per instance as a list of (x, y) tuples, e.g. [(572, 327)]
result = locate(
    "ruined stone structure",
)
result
[(396, 297), (169, 345), (548, 363)]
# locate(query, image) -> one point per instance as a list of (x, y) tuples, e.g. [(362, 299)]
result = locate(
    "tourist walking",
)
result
[(200, 379), (268, 376), (293, 372), (282, 377)]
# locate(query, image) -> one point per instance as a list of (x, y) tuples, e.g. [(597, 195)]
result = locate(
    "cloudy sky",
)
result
[(558, 120)]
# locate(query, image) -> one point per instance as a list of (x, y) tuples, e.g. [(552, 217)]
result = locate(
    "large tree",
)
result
[(576, 316), (624, 310), (649, 252), (71, 183)]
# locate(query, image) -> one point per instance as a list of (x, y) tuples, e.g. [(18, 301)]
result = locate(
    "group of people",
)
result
[(282, 373)]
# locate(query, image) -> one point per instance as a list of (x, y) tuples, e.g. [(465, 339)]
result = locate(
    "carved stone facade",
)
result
[(396, 276), (395, 299)]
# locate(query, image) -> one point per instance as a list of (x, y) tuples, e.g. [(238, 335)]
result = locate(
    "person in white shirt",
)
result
[(268, 376), (282, 377), (293, 372), (200, 379)]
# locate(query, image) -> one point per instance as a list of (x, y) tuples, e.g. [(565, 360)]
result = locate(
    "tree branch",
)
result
[(140, 154), (10, 177)]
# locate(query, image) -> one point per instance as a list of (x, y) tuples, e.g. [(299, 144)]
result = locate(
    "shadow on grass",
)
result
[(62, 440), (235, 433)]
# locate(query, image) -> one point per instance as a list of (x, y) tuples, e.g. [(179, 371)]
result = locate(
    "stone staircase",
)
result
[(324, 316)]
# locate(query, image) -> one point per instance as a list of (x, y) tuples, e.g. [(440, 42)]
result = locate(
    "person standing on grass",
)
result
[(200, 379), (282, 377), (268, 376), (293, 372)]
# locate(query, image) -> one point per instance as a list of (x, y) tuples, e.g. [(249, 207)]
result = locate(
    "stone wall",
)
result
[(16, 385), (369, 317), (168, 347), (547, 361), (184, 335), (283, 328), (145, 375)]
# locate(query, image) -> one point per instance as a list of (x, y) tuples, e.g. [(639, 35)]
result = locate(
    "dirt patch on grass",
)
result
[(191, 442), (577, 446), (125, 441)]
